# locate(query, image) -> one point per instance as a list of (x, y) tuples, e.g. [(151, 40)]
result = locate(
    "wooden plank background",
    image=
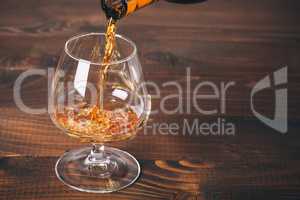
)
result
[(240, 41)]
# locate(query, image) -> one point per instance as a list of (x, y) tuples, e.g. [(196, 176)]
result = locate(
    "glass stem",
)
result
[(97, 155), (99, 163), (98, 151)]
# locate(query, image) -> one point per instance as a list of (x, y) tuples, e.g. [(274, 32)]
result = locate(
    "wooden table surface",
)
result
[(219, 41)]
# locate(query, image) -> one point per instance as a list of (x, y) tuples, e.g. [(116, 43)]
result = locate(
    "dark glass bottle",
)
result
[(117, 9)]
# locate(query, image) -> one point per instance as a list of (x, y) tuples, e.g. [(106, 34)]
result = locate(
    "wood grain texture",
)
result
[(33, 178), (219, 40)]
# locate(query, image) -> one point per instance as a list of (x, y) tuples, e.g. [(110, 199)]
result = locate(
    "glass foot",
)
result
[(103, 171)]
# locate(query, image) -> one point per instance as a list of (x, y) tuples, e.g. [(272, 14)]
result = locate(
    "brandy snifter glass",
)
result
[(98, 103)]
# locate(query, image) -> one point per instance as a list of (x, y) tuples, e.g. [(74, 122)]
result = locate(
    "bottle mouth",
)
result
[(114, 10), (129, 43)]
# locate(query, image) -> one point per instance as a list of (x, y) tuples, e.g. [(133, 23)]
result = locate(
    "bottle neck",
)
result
[(117, 9), (133, 5)]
